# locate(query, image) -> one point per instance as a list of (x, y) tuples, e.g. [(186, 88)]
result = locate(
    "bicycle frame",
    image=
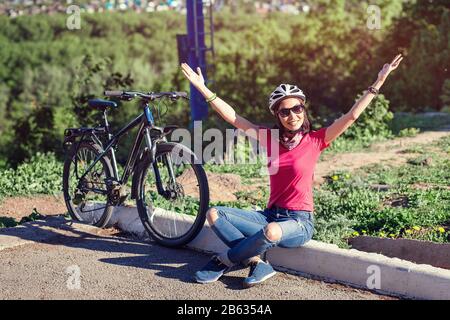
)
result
[(146, 122)]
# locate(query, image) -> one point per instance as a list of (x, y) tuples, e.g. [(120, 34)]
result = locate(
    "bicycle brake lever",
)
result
[(182, 95), (127, 97)]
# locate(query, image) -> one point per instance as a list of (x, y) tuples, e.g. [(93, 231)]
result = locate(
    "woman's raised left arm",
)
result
[(340, 125)]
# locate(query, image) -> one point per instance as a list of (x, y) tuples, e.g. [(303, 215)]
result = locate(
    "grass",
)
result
[(40, 175), (246, 171), (415, 206), (346, 145)]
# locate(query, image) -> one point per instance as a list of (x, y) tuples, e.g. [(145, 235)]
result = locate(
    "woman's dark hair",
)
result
[(305, 128)]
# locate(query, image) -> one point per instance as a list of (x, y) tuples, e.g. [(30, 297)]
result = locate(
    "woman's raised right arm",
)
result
[(221, 107)]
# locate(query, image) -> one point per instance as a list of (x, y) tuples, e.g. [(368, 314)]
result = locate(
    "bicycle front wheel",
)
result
[(172, 195)]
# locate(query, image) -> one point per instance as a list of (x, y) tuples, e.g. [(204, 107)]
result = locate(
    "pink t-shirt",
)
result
[(292, 174)]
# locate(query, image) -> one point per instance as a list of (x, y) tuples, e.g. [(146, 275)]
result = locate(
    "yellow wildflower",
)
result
[(335, 178), (409, 231), (356, 233), (441, 230), (416, 228)]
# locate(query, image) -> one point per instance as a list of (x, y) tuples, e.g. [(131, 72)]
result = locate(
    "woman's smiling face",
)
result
[(291, 121)]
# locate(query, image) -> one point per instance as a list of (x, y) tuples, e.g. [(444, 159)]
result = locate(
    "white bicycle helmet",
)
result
[(284, 91)]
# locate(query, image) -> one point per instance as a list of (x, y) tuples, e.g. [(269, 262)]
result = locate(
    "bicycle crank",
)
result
[(117, 193)]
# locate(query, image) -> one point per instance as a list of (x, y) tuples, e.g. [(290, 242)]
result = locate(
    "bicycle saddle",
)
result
[(101, 104)]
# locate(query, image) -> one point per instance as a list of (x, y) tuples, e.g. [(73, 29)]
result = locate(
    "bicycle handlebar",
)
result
[(113, 93), (151, 96)]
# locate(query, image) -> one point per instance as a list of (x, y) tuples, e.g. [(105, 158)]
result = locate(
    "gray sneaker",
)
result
[(259, 271), (212, 271)]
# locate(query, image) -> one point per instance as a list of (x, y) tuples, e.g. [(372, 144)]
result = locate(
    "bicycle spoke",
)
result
[(88, 195), (92, 210), (173, 214)]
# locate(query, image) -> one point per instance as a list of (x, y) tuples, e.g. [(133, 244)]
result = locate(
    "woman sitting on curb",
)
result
[(288, 219)]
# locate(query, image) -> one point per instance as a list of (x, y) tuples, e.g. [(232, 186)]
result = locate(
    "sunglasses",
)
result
[(297, 109)]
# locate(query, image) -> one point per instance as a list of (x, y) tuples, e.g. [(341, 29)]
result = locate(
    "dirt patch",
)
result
[(19, 207), (109, 232), (222, 186), (397, 200), (428, 186), (421, 161)]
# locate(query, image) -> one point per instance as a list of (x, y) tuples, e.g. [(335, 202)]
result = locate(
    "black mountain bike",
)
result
[(169, 186)]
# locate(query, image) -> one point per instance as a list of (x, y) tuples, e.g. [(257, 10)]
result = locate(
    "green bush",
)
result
[(408, 132), (38, 85), (372, 125), (373, 122), (424, 39)]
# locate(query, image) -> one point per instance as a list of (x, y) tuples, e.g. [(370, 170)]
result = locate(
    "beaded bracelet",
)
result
[(373, 90), (212, 98)]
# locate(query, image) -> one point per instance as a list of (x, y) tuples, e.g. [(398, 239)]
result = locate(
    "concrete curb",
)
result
[(417, 251), (328, 262)]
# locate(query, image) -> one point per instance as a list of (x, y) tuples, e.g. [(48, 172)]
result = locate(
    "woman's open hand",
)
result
[(196, 79), (389, 67)]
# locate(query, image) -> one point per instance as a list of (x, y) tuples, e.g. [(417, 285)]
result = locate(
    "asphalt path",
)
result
[(55, 259)]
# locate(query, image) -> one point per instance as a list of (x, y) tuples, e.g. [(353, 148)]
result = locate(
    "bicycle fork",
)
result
[(152, 148), (167, 160)]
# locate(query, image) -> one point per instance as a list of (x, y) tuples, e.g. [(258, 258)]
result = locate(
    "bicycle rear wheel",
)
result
[(87, 199), (174, 211)]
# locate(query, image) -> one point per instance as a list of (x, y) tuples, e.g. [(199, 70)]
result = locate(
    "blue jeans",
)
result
[(243, 230)]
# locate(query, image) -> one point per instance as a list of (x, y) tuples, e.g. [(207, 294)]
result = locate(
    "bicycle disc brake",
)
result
[(174, 191)]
